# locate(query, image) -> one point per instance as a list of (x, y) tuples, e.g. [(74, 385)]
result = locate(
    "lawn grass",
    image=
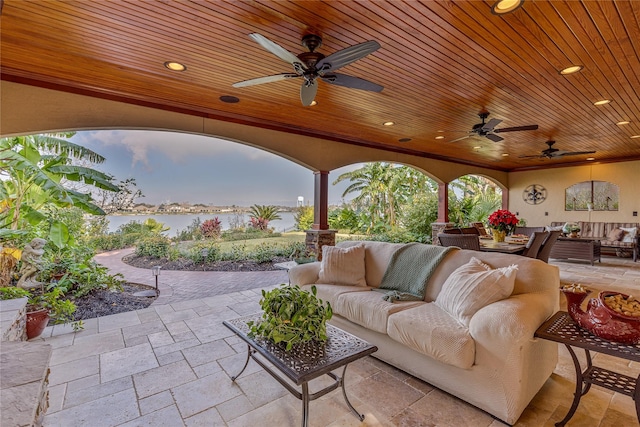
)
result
[(284, 239)]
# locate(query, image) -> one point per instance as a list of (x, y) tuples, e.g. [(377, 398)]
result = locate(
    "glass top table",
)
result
[(304, 362)]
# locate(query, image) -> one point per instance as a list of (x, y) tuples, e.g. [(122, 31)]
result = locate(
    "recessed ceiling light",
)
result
[(175, 66), (602, 102), (505, 154), (635, 136), (502, 7), (314, 102), (440, 131), (477, 147), (404, 140), (439, 137), (571, 69), (229, 99), (389, 123), (590, 158), (623, 122)]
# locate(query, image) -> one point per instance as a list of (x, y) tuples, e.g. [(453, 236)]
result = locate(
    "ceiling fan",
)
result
[(488, 129), (551, 153), (312, 66)]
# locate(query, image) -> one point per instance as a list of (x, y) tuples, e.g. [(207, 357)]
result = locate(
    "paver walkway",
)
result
[(176, 286)]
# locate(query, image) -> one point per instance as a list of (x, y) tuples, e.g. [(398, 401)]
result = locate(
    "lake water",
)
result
[(181, 222)]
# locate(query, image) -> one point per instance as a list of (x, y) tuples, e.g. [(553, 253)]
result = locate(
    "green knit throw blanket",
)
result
[(409, 270)]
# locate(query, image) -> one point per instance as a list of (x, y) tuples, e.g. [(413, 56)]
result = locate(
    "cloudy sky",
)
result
[(175, 167)]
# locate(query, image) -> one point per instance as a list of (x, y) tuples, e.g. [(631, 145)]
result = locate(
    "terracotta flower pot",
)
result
[(36, 322)]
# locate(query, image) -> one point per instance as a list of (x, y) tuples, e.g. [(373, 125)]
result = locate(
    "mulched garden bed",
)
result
[(104, 303)]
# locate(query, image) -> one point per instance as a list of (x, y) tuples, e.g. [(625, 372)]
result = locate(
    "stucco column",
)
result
[(320, 235), (321, 201), (505, 198), (443, 202)]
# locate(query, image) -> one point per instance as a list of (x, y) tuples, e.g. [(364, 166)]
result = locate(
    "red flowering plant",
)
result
[(503, 220)]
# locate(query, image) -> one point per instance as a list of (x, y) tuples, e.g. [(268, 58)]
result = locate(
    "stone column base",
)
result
[(316, 239)]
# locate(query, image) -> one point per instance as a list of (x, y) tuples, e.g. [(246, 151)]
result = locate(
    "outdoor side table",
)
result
[(305, 361), (561, 328)]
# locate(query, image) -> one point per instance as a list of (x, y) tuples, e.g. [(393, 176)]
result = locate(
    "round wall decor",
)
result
[(534, 194)]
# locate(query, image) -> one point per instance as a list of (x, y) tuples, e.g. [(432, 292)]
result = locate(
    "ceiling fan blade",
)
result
[(308, 92), (352, 82), (490, 125), (494, 137), (265, 79), (460, 139), (571, 153), (517, 128), (346, 56), (275, 48), (537, 156)]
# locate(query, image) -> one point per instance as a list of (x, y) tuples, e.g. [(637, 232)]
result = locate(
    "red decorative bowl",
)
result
[(600, 319)]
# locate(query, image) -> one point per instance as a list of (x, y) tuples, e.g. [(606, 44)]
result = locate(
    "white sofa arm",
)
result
[(512, 320), (304, 274)]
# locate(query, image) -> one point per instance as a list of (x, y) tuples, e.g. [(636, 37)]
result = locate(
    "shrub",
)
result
[(261, 224), (211, 228), (203, 252), (156, 247), (114, 241), (303, 217), (192, 232)]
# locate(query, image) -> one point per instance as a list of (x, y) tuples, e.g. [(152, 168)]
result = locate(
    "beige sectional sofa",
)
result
[(489, 359)]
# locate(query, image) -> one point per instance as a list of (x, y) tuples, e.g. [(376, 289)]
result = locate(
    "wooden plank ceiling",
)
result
[(440, 64)]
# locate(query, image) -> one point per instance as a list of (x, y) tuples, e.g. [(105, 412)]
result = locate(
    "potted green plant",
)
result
[(292, 316), (571, 228), (42, 307)]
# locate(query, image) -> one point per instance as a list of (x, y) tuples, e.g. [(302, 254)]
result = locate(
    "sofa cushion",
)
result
[(430, 330), (342, 266), (616, 234), (330, 293), (473, 286), (629, 234), (592, 229), (376, 258), (368, 309)]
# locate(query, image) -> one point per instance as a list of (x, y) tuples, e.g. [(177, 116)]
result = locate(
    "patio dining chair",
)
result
[(535, 243), (547, 245), (463, 241)]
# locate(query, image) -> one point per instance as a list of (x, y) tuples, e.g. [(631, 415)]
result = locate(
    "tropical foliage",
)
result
[(39, 174), (401, 202), (261, 215)]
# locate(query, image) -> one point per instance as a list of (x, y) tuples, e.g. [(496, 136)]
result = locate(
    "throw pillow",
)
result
[(616, 235), (554, 228), (473, 286), (629, 234), (342, 266)]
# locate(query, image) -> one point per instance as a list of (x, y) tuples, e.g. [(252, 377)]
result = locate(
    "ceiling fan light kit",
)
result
[(313, 66)]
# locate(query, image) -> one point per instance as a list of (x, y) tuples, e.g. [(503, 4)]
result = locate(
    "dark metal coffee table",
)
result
[(562, 329), (304, 362)]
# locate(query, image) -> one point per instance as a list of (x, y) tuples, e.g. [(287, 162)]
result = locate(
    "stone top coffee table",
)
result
[(305, 361)]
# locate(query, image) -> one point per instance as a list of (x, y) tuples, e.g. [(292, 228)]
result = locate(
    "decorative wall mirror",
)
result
[(592, 196)]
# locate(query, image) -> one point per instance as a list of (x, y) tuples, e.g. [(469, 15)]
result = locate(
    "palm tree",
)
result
[(261, 215), (382, 188), (36, 172)]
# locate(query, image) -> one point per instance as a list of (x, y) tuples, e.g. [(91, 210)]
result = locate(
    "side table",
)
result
[(562, 329), (304, 362)]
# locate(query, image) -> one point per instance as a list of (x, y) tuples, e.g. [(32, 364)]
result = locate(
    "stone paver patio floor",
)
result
[(170, 365)]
